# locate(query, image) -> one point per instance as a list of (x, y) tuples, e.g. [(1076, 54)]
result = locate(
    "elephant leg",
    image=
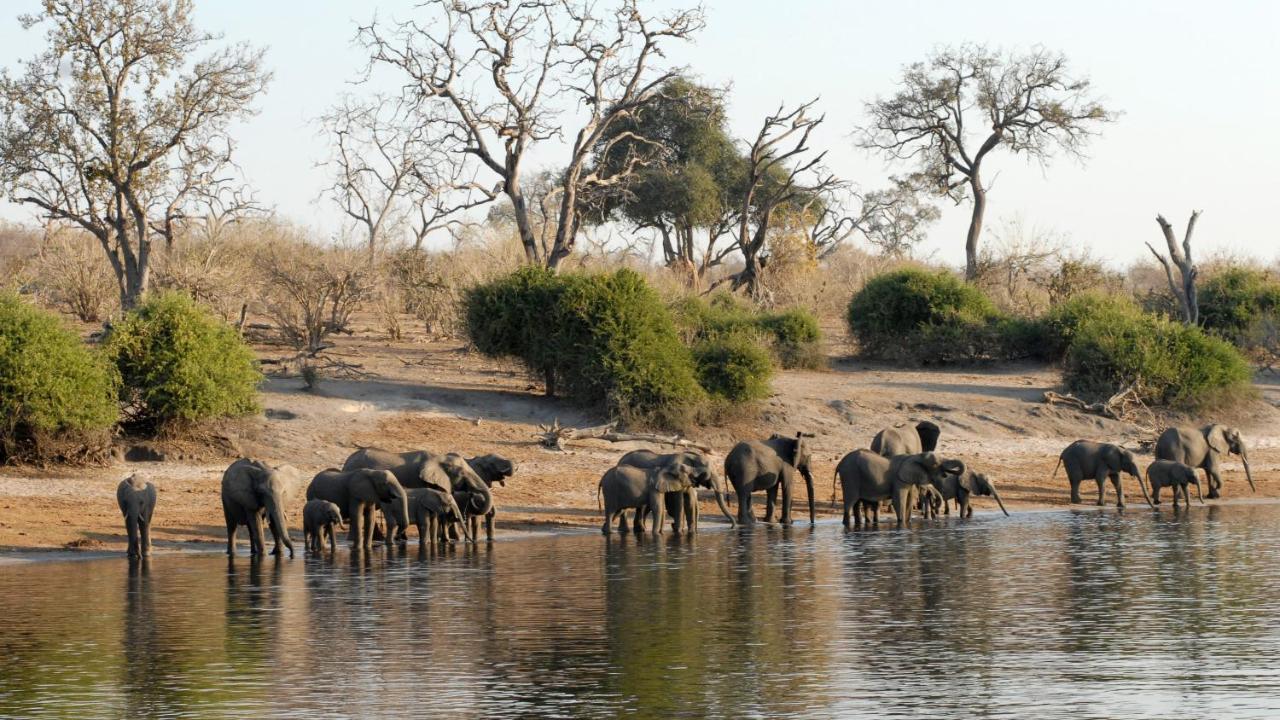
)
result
[(786, 501), (332, 533), (355, 525), (677, 514), (488, 525), (770, 499), (901, 503), (233, 525), (146, 535), (475, 526), (1075, 478), (658, 509), (620, 516), (638, 520), (1115, 482), (1155, 491), (946, 506), (1214, 479), (1102, 489), (743, 493), (131, 527), (692, 512), (256, 545), (847, 513)]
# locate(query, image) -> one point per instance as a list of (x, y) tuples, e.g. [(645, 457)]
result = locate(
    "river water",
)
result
[(1073, 614)]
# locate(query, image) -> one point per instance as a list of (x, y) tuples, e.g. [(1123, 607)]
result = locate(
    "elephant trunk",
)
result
[(1244, 458), (275, 516), (485, 502), (808, 485), (724, 508), (462, 520), (996, 494), (1143, 487)]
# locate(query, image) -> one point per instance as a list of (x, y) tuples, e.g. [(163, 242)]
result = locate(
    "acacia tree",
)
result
[(690, 180), (116, 130), (781, 172), (962, 103), (895, 219), (1184, 290), (492, 67)]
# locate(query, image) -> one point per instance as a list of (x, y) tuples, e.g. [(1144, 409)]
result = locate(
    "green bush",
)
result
[(793, 335), (603, 340), (733, 368), (51, 385), (921, 316), (1059, 325), (1234, 300), (1168, 363), (181, 364)]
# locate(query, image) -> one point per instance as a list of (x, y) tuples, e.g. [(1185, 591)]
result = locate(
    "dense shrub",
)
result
[(792, 335), (1236, 299), (733, 368), (604, 340), (180, 364), (922, 316), (1059, 325), (1168, 363), (51, 385)]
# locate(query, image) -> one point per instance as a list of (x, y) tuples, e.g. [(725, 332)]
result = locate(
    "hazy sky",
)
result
[(1195, 81)]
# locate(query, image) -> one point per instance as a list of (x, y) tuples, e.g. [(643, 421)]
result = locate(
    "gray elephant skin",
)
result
[(1088, 460), (963, 485), (755, 465), (358, 493), (868, 477), (923, 437), (253, 491), (1175, 475), (449, 472), (433, 512), (137, 500), (682, 506), (1205, 448), (626, 487), (320, 522)]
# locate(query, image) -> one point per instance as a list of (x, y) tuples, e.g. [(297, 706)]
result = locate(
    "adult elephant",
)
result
[(1085, 459), (870, 478), (253, 490), (626, 487), (764, 465), (449, 472), (358, 493), (961, 484), (906, 441), (493, 470), (1205, 448), (682, 505)]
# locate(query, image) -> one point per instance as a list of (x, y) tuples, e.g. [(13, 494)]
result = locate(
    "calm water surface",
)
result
[(1046, 615)]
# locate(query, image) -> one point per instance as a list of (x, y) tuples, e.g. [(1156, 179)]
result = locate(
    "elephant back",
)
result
[(894, 441), (372, 459), (1181, 444), (865, 474), (331, 485)]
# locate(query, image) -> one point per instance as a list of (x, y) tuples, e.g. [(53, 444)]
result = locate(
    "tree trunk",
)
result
[(975, 229), (566, 228), (520, 209)]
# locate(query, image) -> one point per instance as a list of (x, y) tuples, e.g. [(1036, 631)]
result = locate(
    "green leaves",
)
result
[(50, 382), (179, 363)]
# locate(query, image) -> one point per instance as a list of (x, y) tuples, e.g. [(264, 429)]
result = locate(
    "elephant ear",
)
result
[(380, 481), (929, 433), (433, 475), (1216, 436), (1113, 457), (259, 480), (673, 477)]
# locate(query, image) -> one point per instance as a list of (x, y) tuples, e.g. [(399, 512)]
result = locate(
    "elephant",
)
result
[(253, 490), (358, 493), (765, 464), (493, 470), (626, 487), (137, 500), (1085, 459), (433, 510), (906, 441), (1173, 474), (962, 485), (449, 472), (682, 505), (1205, 448), (320, 520), (867, 477)]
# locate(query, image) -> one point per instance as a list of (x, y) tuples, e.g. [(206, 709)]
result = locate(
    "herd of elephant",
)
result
[(446, 495)]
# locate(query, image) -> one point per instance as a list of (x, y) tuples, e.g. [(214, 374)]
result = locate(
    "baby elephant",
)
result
[(320, 520), (137, 500), (434, 512), (1173, 474)]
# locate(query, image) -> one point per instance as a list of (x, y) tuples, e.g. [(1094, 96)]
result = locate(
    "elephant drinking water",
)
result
[(359, 493), (682, 505), (253, 490), (1205, 448)]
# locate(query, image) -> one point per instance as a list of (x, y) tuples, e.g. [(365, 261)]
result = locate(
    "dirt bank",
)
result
[(438, 396)]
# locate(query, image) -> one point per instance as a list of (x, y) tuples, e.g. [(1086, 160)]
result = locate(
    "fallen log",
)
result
[(556, 435)]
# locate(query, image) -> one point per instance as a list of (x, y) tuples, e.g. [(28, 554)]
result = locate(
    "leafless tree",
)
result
[(962, 103), (492, 66), (780, 170), (1183, 290), (116, 130)]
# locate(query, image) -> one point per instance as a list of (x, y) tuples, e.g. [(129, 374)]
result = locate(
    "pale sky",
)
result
[(1195, 80)]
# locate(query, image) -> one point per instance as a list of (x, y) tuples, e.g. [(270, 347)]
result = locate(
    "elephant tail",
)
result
[(599, 489), (835, 475), (1055, 468)]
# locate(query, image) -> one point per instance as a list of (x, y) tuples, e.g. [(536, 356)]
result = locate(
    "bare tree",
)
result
[(962, 103), (115, 130), (492, 65), (1184, 291), (777, 173)]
